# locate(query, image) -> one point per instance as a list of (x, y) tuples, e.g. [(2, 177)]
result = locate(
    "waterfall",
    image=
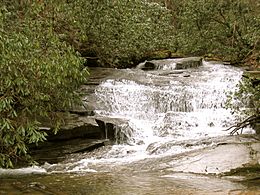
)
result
[(163, 112), (166, 109)]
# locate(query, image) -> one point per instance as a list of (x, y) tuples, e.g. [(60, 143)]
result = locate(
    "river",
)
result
[(169, 116)]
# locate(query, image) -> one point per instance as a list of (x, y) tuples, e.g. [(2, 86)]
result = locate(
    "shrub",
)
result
[(39, 75)]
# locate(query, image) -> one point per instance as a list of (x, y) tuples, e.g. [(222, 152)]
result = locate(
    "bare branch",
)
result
[(239, 126)]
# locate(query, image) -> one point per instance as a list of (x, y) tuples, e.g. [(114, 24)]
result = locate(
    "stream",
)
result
[(173, 125)]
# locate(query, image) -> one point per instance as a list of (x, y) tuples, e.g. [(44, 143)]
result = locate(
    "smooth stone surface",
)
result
[(221, 159)]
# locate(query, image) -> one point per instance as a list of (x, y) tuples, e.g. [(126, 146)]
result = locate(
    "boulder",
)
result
[(75, 126), (80, 134), (147, 65), (115, 129), (77, 134), (191, 62)]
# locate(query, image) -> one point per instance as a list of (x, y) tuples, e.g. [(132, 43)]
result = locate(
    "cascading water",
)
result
[(169, 138), (165, 113)]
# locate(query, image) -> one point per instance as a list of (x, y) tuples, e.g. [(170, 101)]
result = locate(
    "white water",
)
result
[(165, 115)]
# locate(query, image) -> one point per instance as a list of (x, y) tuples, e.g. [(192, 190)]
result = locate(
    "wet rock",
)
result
[(112, 129), (147, 65), (97, 75), (80, 131), (85, 109), (171, 64), (76, 126), (155, 64), (186, 75), (79, 134), (171, 73), (54, 152), (191, 62), (222, 158)]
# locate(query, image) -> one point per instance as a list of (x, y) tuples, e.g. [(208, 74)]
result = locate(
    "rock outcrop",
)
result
[(82, 130), (191, 62), (173, 64), (227, 157)]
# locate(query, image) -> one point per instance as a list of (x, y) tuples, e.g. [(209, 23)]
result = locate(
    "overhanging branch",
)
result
[(248, 121)]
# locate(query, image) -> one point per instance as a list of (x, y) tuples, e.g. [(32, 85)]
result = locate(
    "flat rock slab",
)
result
[(75, 126), (53, 152), (220, 159)]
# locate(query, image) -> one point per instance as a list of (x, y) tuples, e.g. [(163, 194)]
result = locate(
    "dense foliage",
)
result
[(39, 75), (120, 32), (225, 29)]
